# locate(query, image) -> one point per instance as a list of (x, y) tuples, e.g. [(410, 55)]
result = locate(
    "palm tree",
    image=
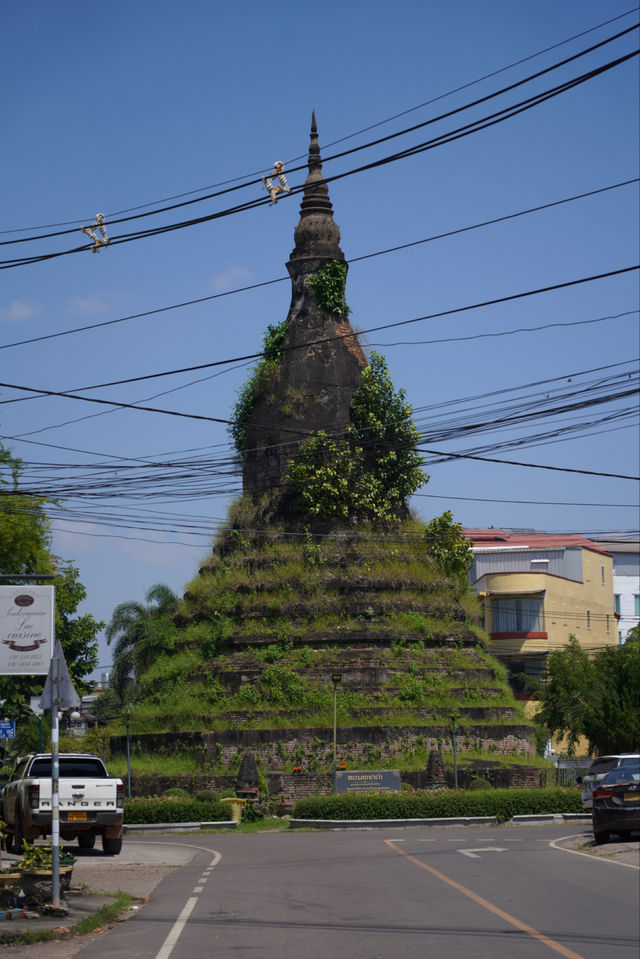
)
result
[(140, 632)]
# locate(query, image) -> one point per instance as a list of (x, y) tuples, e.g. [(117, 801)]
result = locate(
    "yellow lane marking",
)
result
[(546, 940)]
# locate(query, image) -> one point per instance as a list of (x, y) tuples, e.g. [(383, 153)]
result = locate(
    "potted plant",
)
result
[(36, 871)]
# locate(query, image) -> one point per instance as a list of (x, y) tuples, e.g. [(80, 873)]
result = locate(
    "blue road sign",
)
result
[(7, 729)]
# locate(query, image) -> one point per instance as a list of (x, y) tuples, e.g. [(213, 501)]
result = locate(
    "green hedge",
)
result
[(503, 803), (174, 810)]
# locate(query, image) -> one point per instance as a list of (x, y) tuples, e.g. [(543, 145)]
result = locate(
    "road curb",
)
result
[(143, 827), (391, 823), (558, 817), (329, 824)]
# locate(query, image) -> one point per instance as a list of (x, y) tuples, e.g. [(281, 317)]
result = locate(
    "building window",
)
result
[(602, 573), (588, 619), (517, 614), (636, 600), (607, 622), (616, 602)]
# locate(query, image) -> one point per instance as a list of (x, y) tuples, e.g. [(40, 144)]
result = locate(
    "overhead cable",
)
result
[(356, 259), (467, 129), (372, 329), (372, 126)]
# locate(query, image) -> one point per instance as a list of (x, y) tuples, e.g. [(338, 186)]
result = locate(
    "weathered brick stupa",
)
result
[(321, 359), (276, 613)]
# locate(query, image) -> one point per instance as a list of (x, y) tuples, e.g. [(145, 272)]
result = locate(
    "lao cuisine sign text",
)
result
[(26, 630), (354, 780)]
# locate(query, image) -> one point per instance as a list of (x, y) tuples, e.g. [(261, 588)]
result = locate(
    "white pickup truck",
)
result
[(91, 802)]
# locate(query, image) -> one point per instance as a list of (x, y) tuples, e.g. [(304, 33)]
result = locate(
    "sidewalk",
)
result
[(95, 883)]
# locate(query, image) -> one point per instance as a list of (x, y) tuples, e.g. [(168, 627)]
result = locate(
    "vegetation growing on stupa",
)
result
[(270, 615), (369, 473), (328, 286), (261, 380)]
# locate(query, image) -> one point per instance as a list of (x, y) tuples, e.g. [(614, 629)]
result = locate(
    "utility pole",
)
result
[(335, 679)]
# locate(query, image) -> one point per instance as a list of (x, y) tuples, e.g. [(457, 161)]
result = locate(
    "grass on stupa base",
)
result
[(175, 697), (281, 595)]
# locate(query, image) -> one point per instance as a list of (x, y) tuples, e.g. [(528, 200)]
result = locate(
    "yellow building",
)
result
[(537, 590)]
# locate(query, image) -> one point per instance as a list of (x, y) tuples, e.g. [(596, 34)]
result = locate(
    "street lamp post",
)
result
[(126, 715), (455, 763), (335, 679)]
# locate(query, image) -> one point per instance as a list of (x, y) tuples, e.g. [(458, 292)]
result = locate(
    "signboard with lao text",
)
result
[(7, 729), (368, 780), (26, 630)]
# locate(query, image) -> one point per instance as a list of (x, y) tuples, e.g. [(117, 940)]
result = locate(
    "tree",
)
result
[(25, 538), (78, 634), (141, 633), (448, 547), (597, 698), (612, 717), (371, 473), (25, 548)]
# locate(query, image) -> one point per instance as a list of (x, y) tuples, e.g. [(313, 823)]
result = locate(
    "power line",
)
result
[(560, 469), (357, 259), (372, 329), (466, 130), (526, 502), (430, 408), (113, 403), (257, 173)]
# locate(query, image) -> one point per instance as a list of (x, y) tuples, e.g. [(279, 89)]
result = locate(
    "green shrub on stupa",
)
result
[(370, 472)]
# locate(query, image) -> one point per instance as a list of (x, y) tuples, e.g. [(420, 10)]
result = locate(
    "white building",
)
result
[(626, 579)]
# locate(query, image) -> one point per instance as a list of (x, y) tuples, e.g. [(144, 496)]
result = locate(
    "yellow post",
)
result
[(236, 807)]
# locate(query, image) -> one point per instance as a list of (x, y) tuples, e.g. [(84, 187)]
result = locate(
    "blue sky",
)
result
[(109, 107)]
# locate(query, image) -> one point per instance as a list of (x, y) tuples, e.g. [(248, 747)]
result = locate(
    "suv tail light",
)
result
[(120, 796), (601, 792), (34, 796)]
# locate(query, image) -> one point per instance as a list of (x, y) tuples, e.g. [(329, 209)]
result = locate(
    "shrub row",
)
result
[(174, 810), (503, 803)]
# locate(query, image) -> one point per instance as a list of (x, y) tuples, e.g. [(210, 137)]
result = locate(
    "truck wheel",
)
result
[(111, 847), (87, 840)]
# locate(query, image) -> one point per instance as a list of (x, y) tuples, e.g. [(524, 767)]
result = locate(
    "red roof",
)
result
[(498, 537)]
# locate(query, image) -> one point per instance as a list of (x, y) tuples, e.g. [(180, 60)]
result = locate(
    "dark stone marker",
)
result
[(435, 770), (248, 772)]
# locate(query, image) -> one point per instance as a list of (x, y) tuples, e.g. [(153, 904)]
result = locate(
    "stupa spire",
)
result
[(317, 237)]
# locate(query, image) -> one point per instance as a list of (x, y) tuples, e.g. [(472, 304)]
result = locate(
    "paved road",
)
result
[(396, 894)]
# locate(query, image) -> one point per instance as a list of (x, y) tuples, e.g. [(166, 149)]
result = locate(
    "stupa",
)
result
[(321, 361)]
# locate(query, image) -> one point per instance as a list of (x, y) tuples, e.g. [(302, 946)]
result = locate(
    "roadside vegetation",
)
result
[(502, 803), (598, 698)]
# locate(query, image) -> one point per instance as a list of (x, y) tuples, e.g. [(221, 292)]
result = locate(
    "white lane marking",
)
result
[(514, 840), (178, 926), (167, 947), (424, 840), (198, 888), (576, 852), (471, 853)]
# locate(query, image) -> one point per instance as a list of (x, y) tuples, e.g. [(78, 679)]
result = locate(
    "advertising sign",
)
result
[(26, 630), (369, 780)]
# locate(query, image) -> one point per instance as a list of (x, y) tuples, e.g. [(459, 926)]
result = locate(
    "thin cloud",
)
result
[(232, 276), (18, 311), (83, 305)]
